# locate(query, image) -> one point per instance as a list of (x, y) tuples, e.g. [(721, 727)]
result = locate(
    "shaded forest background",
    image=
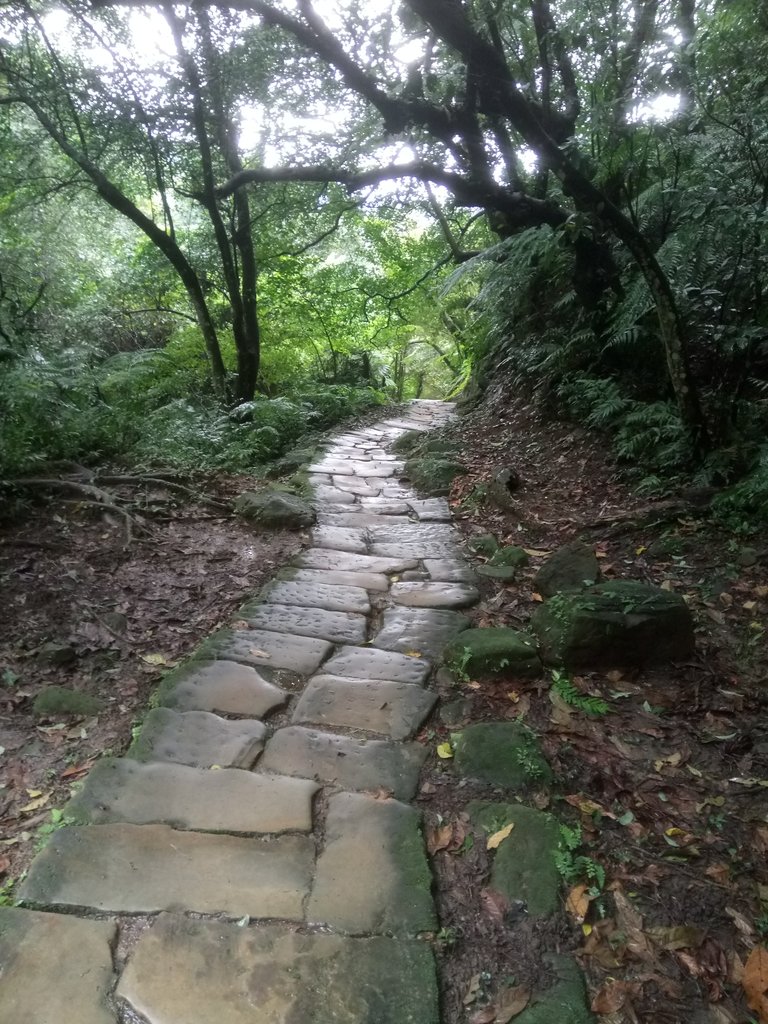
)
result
[(225, 226)]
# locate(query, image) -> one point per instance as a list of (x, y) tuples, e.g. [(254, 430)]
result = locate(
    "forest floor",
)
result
[(669, 788), (82, 610)]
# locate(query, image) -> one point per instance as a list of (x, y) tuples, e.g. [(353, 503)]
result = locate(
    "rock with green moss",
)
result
[(279, 510), (572, 567), (664, 548), (504, 754), (59, 700), (524, 868), (433, 475), (483, 544), (505, 573), (564, 1002), (493, 651), (407, 442), (614, 624), (510, 555), (438, 446), (292, 461)]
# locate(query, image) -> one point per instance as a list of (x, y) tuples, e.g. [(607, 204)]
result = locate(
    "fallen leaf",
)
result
[(719, 872), (511, 1002), (36, 804), (155, 659), (445, 751), (630, 922), (495, 841), (413, 654), (755, 982), (495, 904), (535, 552), (5, 863), (76, 770), (680, 936), (486, 1016), (741, 922), (438, 838), (611, 997), (673, 760), (537, 597), (577, 903), (473, 990)]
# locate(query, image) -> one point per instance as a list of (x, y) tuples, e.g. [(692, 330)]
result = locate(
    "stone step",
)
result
[(393, 709), (370, 663), (318, 592), (363, 520), (143, 869), (55, 969), (426, 630), (198, 739), (434, 595), (187, 971), (415, 549), (223, 687), (372, 877), (345, 762), (119, 789), (449, 570), (338, 627), (435, 510), (324, 558), (368, 487), (341, 578), (302, 654), (340, 538)]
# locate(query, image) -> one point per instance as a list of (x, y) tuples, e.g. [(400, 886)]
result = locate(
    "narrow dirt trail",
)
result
[(234, 871)]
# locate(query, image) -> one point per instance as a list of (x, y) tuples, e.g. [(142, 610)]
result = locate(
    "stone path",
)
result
[(276, 873)]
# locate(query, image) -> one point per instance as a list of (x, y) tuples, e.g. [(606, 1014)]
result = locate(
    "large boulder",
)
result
[(433, 475), (618, 623), (571, 567), (275, 509), (492, 652)]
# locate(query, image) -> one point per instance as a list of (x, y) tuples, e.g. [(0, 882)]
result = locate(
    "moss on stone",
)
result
[(496, 572), (493, 651), (504, 754), (510, 556), (484, 544), (59, 700), (524, 866), (275, 508), (571, 567), (407, 442), (565, 1002), (433, 475), (619, 623)]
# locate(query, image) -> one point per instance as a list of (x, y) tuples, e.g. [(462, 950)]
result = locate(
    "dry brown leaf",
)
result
[(495, 904), (630, 922), (36, 804), (741, 922), (680, 936), (719, 872), (612, 996), (577, 903), (486, 1016), (755, 982), (511, 1002), (438, 838), (495, 841), (473, 990)]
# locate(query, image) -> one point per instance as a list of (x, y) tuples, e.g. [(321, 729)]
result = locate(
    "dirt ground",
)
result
[(669, 788), (83, 611)]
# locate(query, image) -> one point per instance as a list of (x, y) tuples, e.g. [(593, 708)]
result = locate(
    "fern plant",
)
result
[(563, 686)]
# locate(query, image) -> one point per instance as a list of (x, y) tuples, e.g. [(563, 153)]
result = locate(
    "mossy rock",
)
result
[(433, 475), (493, 651), (58, 700), (276, 509), (572, 567), (524, 868), (407, 442), (504, 754), (292, 461), (664, 548), (511, 556), (496, 572), (614, 624), (483, 544), (438, 446), (565, 1002)]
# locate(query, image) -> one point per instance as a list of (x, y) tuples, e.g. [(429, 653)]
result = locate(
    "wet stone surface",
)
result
[(426, 630), (197, 972), (346, 762), (137, 869), (369, 663), (328, 577), (118, 789), (222, 687), (434, 595), (312, 594), (54, 968), (340, 538), (393, 709), (199, 739), (261, 647), (338, 627), (323, 558)]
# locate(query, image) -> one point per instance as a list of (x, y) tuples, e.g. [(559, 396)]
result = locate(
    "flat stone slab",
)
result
[(221, 686), (334, 467), (393, 709), (338, 627), (449, 570), (385, 506), (377, 470), (300, 654), (342, 578), (313, 594), (141, 869), (372, 876), (322, 558), (435, 510), (405, 531), (119, 789), (340, 538), (196, 972), (327, 494), (56, 969), (345, 762), (369, 487), (416, 549), (434, 595), (426, 630), (363, 519), (369, 663), (199, 739)]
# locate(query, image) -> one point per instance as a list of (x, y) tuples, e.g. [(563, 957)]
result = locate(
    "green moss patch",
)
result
[(58, 700), (510, 556), (504, 754), (433, 475), (493, 651), (565, 1002)]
